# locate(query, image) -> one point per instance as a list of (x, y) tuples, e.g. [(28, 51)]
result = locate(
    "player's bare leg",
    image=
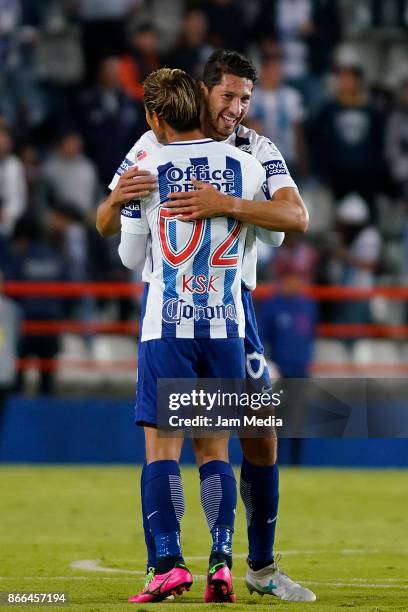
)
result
[(161, 448)]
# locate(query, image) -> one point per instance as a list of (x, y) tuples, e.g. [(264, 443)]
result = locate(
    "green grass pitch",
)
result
[(343, 533)]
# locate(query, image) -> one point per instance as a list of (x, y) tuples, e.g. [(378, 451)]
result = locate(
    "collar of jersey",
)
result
[(188, 142)]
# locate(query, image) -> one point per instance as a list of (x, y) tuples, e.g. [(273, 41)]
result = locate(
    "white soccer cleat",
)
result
[(271, 580)]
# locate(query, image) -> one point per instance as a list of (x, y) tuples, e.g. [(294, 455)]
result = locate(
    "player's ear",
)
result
[(159, 122), (149, 117), (154, 120), (203, 89)]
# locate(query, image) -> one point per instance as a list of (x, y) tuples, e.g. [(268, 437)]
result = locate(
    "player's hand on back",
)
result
[(133, 184), (203, 203)]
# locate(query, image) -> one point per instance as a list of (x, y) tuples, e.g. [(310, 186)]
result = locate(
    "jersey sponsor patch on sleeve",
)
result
[(132, 210), (124, 166), (275, 166), (141, 154)]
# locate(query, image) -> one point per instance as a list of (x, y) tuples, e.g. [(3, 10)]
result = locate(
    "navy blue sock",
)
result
[(259, 489), (165, 508), (149, 539), (219, 500)]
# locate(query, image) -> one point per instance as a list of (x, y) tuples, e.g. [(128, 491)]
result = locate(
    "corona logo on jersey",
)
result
[(179, 179), (176, 309)]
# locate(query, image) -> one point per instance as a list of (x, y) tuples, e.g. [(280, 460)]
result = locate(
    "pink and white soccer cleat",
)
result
[(174, 582), (219, 585)]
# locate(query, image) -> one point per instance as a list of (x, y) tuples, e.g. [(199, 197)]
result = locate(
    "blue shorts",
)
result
[(183, 358), (257, 372)]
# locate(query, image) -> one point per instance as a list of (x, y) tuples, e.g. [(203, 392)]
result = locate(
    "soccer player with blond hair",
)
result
[(226, 89)]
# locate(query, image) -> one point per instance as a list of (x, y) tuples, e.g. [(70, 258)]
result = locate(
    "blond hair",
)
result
[(173, 95)]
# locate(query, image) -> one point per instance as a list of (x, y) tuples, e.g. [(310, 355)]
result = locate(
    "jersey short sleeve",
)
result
[(144, 147), (276, 171), (133, 215), (255, 178), (133, 218)]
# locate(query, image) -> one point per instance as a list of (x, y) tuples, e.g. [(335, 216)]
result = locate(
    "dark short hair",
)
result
[(223, 62)]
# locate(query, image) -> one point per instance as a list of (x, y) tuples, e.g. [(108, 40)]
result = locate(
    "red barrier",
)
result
[(49, 328), (324, 330), (263, 291), (69, 290)]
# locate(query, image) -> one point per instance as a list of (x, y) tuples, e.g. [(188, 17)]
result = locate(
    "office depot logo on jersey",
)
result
[(132, 210), (179, 179), (176, 310), (274, 166)]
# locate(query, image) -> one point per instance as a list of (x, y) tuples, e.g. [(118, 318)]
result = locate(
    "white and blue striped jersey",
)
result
[(195, 275), (276, 176)]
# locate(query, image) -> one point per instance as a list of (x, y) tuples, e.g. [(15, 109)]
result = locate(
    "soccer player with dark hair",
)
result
[(226, 92)]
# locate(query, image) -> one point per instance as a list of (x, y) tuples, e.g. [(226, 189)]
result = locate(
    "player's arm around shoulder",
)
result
[(285, 211), (267, 236), (134, 184), (279, 206)]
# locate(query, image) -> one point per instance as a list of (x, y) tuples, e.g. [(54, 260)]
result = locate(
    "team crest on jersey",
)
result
[(132, 210), (255, 364), (274, 166), (124, 166), (243, 143)]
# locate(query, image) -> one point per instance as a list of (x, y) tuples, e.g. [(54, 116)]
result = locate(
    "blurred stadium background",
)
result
[(333, 95)]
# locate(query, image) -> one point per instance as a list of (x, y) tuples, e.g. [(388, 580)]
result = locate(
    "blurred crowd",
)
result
[(332, 95)]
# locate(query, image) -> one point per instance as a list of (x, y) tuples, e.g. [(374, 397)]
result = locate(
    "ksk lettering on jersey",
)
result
[(199, 283)]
